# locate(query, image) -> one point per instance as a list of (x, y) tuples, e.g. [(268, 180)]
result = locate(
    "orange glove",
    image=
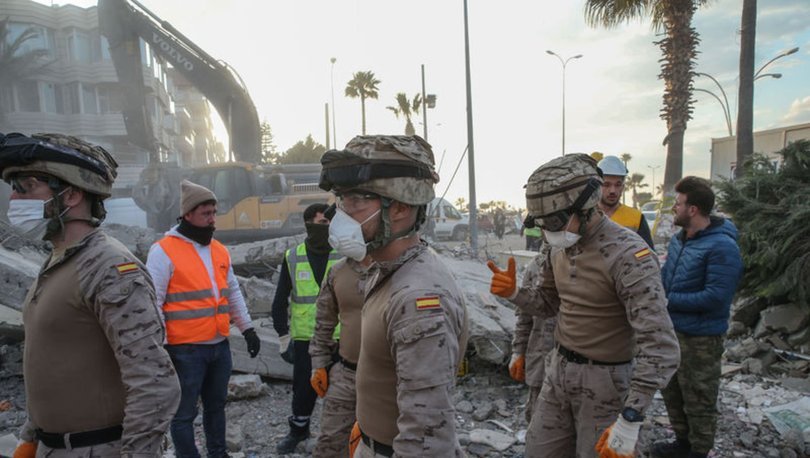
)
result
[(517, 368), (504, 283), (619, 440), (320, 381), (26, 450), (354, 439)]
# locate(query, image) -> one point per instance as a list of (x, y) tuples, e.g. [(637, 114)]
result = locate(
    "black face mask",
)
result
[(318, 237), (201, 235)]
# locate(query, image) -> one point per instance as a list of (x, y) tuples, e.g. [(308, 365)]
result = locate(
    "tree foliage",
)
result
[(269, 153), (771, 208), (307, 151), (408, 109), (365, 86)]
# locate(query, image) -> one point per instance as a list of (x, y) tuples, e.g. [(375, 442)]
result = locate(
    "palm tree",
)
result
[(363, 85), (634, 184), (407, 109), (15, 63), (626, 157), (679, 49)]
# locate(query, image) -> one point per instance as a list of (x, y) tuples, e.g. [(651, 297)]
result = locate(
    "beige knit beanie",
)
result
[(192, 194)]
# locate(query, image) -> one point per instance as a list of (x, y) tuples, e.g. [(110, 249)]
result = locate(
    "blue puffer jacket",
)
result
[(700, 277)]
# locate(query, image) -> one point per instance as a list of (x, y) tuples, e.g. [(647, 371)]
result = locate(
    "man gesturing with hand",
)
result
[(615, 344)]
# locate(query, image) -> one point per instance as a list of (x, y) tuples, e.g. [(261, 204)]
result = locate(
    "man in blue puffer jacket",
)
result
[(700, 277)]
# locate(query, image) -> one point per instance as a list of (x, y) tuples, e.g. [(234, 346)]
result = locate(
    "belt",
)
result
[(349, 365), (376, 447), (577, 358), (77, 440)]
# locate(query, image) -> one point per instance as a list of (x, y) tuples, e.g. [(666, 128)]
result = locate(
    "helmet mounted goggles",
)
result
[(557, 221), (17, 149), (352, 174)]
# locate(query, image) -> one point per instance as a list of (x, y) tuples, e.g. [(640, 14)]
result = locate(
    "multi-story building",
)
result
[(77, 92), (767, 142)]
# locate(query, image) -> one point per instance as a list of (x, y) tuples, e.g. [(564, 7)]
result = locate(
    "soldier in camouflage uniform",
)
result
[(414, 321), (97, 379), (533, 340), (339, 302), (615, 342)]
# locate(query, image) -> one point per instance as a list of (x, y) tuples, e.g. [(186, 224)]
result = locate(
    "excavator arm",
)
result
[(123, 22)]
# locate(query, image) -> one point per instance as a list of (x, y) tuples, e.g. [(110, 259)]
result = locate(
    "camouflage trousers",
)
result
[(338, 414), (691, 396), (534, 393), (108, 450), (364, 451), (576, 404)]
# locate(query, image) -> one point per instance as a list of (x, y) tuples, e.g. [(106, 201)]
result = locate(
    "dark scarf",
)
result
[(201, 235), (317, 240)]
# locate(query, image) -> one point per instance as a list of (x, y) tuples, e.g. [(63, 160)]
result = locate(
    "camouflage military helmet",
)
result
[(70, 159), (558, 184), (399, 167)]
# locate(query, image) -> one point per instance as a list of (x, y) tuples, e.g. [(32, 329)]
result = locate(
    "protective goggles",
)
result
[(355, 200), (554, 222), (23, 184), (350, 175)]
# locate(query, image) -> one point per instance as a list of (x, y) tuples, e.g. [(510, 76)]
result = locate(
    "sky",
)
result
[(282, 50)]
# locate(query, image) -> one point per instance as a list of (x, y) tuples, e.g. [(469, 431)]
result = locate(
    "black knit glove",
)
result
[(253, 342)]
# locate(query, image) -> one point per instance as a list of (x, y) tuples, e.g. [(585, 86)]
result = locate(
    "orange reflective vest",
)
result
[(628, 217), (192, 311)]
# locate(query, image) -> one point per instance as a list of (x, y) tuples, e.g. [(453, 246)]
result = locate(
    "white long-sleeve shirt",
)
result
[(161, 268)]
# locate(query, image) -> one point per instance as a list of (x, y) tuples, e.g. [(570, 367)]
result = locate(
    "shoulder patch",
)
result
[(126, 268), (641, 254), (428, 303)]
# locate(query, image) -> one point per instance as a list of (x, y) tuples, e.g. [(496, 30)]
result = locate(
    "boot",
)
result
[(299, 431), (676, 449)]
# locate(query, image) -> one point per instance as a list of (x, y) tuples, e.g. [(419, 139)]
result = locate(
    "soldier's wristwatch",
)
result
[(632, 415)]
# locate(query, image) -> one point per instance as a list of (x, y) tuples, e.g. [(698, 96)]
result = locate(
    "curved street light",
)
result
[(564, 63), (781, 55), (726, 114), (775, 76)]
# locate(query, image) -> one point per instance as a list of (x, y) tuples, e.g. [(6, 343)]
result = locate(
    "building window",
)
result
[(52, 101), (72, 99), (28, 96), (105, 48), (146, 53), (79, 48), (41, 38), (109, 100), (89, 99)]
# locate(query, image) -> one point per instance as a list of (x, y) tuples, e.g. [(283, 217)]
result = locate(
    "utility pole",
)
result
[(326, 116), (470, 143), (424, 105)]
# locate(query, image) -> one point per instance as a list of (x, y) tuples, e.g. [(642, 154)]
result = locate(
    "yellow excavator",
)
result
[(254, 201)]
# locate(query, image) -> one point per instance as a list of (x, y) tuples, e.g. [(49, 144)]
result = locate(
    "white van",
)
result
[(446, 221)]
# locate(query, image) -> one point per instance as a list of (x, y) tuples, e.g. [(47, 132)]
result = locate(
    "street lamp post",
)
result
[(564, 63), (653, 176), (775, 76), (781, 55), (332, 81), (726, 114)]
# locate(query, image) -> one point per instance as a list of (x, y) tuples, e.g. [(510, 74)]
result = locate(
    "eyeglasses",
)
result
[(354, 201), (554, 222), (23, 184)]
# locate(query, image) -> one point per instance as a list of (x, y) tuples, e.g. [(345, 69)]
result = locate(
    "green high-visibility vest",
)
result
[(532, 232), (305, 291)]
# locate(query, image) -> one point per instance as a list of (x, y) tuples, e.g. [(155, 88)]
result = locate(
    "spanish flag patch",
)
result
[(126, 268), (427, 303), (641, 254)]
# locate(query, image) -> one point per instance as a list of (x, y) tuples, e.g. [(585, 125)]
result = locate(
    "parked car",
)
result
[(446, 221)]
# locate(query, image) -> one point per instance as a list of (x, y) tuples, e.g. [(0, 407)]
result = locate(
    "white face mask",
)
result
[(562, 239), (28, 215), (346, 235)]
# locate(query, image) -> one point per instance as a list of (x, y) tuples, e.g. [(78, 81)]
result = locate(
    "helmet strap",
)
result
[(384, 236)]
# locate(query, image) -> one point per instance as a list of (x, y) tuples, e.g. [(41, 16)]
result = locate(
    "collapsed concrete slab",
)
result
[(491, 323), (268, 362), (18, 269), (788, 318), (11, 325), (258, 294), (137, 239), (261, 258)]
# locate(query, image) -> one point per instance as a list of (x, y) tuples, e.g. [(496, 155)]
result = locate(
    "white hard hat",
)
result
[(612, 165)]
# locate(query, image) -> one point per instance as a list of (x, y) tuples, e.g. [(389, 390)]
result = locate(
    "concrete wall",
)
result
[(768, 142)]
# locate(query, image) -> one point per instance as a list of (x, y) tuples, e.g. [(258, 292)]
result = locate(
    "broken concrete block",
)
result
[(8, 444), (18, 270), (261, 258), (258, 294), (11, 325), (244, 386), (759, 365), (745, 349), (736, 329), (137, 239), (746, 310), (796, 384), (788, 318), (233, 437), (268, 362), (798, 338), (494, 439)]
